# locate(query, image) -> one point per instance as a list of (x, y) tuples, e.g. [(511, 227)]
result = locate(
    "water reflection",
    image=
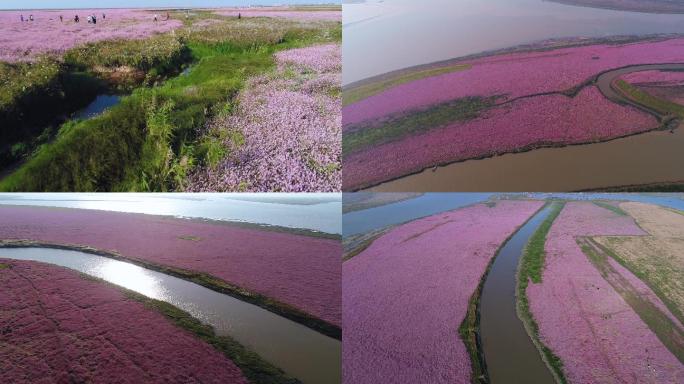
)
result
[(128, 276), (315, 211)]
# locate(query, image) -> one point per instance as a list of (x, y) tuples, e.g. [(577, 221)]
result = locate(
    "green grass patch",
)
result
[(531, 268), (364, 91), (469, 331), (4, 266), (661, 106), (405, 124), (617, 210), (32, 96), (532, 263)]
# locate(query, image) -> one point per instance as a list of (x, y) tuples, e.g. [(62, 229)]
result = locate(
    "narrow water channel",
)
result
[(301, 352), (509, 353), (97, 106)]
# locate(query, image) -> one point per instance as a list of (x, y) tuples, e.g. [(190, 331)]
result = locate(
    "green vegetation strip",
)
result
[(531, 268), (662, 106), (150, 141), (255, 369), (399, 126), (203, 279), (363, 91), (667, 331), (617, 210)]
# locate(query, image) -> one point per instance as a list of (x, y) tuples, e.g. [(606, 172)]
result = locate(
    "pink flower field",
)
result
[(529, 122), (406, 295), (301, 271), (47, 35), (57, 327), (533, 109), (548, 71), (584, 321), (292, 128), (653, 78)]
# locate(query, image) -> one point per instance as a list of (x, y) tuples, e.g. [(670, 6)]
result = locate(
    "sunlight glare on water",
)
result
[(129, 276)]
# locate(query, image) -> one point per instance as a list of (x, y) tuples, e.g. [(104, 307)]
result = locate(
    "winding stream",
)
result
[(509, 353), (97, 106), (301, 352)]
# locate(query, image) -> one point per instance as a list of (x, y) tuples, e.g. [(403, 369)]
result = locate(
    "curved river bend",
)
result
[(301, 352)]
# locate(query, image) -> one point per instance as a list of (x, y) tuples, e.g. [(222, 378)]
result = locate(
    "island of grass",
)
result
[(545, 95), (193, 83), (293, 273), (61, 325)]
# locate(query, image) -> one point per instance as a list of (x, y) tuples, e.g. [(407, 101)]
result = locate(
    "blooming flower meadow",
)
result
[(60, 327), (289, 129), (301, 271), (533, 108), (581, 317), (24, 41), (659, 78), (525, 123), (405, 296), (515, 75)]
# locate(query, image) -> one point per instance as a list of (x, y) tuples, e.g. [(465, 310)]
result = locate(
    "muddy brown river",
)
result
[(509, 353), (651, 157)]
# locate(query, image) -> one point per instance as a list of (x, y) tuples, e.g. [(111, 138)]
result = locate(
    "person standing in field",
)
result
[(239, 16), (156, 18), (76, 19), (61, 19), (22, 18), (30, 17), (94, 19), (104, 16)]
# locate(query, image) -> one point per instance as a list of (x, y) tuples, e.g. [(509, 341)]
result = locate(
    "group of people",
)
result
[(168, 16), (92, 19)]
